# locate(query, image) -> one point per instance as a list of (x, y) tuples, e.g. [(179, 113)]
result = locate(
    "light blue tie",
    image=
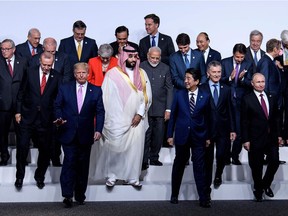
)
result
[(186, 61)]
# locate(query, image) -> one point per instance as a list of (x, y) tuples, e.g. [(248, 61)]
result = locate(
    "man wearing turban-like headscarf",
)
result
[(126, 96)]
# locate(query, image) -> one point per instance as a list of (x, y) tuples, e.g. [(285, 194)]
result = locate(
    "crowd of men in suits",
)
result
[(27, 99)]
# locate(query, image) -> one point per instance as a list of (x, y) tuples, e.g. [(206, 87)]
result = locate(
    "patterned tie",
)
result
[(186, 61), (255, 58), (33, 51), (192, 103), (215, 94), (79, 98), (10, 67), (153, 41), (264, 107), (79, 50), (43, 83)]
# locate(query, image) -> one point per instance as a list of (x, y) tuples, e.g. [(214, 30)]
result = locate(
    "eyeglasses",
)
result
[(6, 49)]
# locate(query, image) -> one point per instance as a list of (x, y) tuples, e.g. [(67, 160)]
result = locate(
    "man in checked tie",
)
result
[(189, 120), (34, 114), (260, 129)]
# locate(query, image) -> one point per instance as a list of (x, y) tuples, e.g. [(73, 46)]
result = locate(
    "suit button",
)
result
[(188, 127)]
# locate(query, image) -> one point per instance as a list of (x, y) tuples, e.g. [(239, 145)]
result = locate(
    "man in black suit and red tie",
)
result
[(34, 113), (260, 127), (155, 38), (12, 68)]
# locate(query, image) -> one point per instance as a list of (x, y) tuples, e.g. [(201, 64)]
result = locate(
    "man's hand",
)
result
[(97, 136), (58, 122), (170, 141), (166, 116), (136, 120), (18, 117), (246, 146)]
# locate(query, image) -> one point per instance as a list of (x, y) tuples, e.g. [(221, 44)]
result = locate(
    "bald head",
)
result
[(34, 37), (50, 45), (258, 82)]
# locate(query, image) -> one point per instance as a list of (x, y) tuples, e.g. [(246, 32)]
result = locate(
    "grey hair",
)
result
[(154, 48), (284, 36), (105, 50), (9, 41)]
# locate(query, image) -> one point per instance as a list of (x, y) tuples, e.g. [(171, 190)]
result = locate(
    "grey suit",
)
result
[(162, 96)]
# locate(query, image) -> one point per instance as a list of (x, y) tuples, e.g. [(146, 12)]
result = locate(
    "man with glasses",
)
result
[(32, 46), (78, 47), (12, 68)]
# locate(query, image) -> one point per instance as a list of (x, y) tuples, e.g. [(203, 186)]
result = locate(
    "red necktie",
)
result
[(33, 51), (264, 107), (43, 83), (10, 67)]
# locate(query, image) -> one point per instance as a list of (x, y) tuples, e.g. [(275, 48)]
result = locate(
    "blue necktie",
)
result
[(255, 58), (153, 41), (186, 61), (215, 94), (192, 103)]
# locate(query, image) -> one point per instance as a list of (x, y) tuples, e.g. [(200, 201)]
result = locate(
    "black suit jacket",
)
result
[(115, 47), (255, 127), (61, 64), (89, 49), (213, 55), (9, 86), (23, 50), (222, 118), (29, 100), (165, 43)]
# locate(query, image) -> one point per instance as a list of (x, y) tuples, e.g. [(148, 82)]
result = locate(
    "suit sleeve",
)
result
[(68, 71), (169, 90), (100, 113), (176, 80), (245, 121)]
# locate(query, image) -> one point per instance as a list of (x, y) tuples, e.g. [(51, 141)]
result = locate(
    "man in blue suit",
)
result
[(237, 73), (30, 47), (77, 104), (183, 59), (189, 118), (222, 124), (78, 47)]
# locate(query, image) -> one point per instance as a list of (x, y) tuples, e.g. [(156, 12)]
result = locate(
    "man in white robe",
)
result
[(127, 96)]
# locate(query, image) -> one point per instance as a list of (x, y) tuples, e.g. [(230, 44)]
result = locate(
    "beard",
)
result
[(130, 64), (154, 65)]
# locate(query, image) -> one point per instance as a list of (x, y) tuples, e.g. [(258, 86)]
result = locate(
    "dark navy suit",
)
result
[(89, 49), (191, 132), (23, 50), (77, 135), (222, 123), (213, 55), (178, 68), (250, 58), (238, 91)]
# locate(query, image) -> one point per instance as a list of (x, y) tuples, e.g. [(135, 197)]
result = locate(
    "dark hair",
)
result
[(120, 29), (271, 44), (79, 24), (196, 73), (241, 48), (154, 17), (205, 34), (183, 39)]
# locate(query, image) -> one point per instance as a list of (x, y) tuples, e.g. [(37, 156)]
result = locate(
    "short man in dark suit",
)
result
[(122, 34), (63, 66), (202, 42), (222, 124), (32, 46), (159, 111), (12, 68), (78, 47), (183, 59), (76, 106), (237, 73), (189, 124), (260, 127), (155, 38), (254, 52), (34, 113)]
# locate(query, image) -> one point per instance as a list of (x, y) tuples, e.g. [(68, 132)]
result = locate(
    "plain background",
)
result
[(226, 22)]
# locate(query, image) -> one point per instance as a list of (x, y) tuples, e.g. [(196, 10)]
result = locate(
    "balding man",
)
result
[(32, 46), (261, 135)]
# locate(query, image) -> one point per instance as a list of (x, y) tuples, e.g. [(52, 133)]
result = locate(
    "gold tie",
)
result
[(79, 50)]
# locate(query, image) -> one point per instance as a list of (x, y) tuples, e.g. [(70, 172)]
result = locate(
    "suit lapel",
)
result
[(73, 93), (87, 95)]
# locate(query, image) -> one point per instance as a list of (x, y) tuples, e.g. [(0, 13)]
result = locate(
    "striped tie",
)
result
[(192, 103)]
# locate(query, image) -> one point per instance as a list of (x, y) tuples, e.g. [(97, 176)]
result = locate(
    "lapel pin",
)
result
[(85, 42)]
